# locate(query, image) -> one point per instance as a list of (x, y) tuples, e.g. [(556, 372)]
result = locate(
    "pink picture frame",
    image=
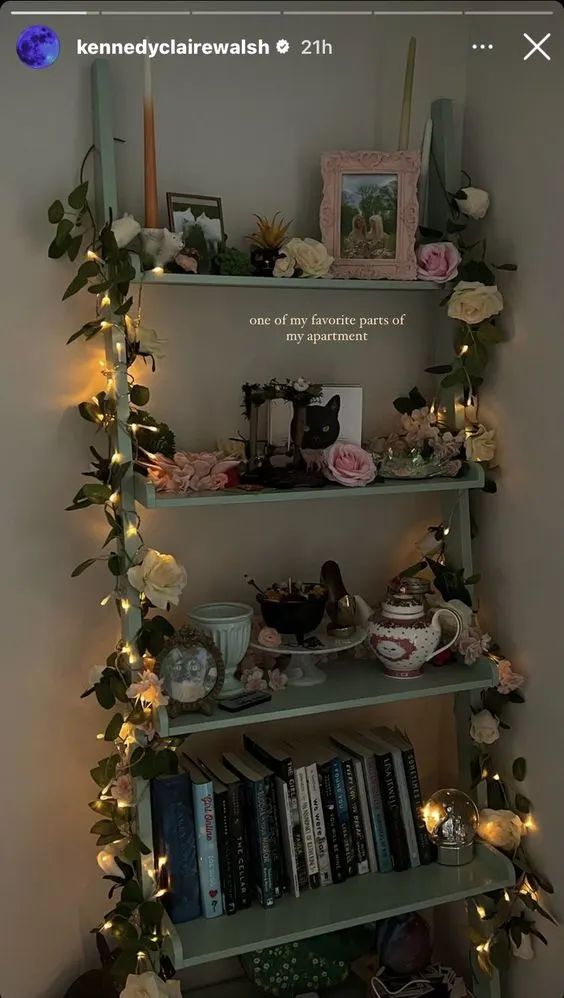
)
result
[(369, 213)]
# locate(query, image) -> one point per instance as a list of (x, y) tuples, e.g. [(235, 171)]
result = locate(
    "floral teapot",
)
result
[(403, 634)]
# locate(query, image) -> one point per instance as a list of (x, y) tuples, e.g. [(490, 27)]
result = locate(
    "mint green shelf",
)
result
[(350, 683), (146, 494), (303, 284), (328, 909)]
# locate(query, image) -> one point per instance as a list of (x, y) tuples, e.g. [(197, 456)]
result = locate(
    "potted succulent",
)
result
[(267, 243)]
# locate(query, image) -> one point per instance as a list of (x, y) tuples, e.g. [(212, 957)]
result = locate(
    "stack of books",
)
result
[(282, 818)]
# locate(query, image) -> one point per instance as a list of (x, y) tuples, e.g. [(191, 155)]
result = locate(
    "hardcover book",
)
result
[(257, 803), (356, 822), (237, 842), (402, 742), (359, 749), (206, 840), (306, 820), (391, 800), (174, 836)]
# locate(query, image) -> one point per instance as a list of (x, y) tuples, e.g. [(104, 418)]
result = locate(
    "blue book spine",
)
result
[(175, 839), (208, 859), (343, 816), (385, 863)]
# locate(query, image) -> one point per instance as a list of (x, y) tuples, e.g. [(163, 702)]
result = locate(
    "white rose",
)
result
[(95, 674), (310, 256), (481, 445), (502, 829), (106, 858), (484, 728), (160, 577), (150, 986), (125, 229), (523, 951), (284, 266), (148, 341), (301, 385), (472, 302), (475, 204)]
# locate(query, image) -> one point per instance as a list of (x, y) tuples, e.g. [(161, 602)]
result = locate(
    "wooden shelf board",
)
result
[(303, 284), (146, 494), (350, 683), (328, 909)]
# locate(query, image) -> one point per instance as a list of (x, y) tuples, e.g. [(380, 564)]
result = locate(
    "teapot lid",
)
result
[(409, 586)]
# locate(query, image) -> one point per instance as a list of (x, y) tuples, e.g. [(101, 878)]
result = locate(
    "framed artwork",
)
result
[(369, 213), (337, 416), (199, 220)]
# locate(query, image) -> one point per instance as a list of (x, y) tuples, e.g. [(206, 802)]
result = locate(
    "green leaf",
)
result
[(77, 197), (104, 695), (77, 283), (516, 697), (107, 808), (538, 935), (488, 333), (124, 964), (457, 377), (134, 848), (139, 395), (132, 892), (504, 266), (114, 728), (430, 233), (56, 212), (123, 309), (64, 229), (90, 268), (151, 913), (74, 246), (439, 369), (118, 688), (82, 567), (105, 827), (499, 950), (87, 410), (115, 564), (97, 493), (472, 580), (519, 768), (490, 486), (57, 250), (522, 804), (476, 270)]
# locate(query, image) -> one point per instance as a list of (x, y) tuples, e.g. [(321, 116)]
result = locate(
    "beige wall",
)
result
[(252, 133)]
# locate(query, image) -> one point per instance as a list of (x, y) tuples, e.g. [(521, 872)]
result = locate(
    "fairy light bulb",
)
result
[(158, 271), (125, 605), (464, 349), (91, 255), (117, 458), (114, 498), (131, 530), (481, 911), (106, 599), (106, 926), (105, 324), (105, 301), (451, 818)]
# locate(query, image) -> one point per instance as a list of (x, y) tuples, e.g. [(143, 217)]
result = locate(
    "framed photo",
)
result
[(337, 416), (369, 213), (199, 220)]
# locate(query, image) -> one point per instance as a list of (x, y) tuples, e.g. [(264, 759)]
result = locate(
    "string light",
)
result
[(469, 399), (105, 301), (119, 350), (134, 427), (527, 890), (105, 324), (131, 530), (158, 271), (106, 600), (100, 736), (126, 649), (481, 911), (152, 429), (160, 893), (91, 255), (530, 823), (464, 349), (125, 605), (446, 531), (506, 897), (496, 777), (117, 457), (161, 863), (484, 947), (114, 498), (106, 926)]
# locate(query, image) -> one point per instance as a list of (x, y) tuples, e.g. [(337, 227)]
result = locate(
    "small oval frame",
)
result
[(191, 635)]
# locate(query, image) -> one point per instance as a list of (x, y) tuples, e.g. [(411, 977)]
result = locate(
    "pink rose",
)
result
[(437, 262), (277, 680), (348, 464), (507, 679), (269, 637), (254, 680)]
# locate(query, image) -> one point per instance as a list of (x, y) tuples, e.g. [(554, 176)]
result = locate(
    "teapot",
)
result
[(403, 634)]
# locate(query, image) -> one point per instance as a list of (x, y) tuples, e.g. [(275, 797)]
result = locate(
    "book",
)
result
[(358, 748), (365, 815), (335, 808), (257, 806), (279, 880), (319, 831), (174, 835), (397, 836), (206, 839), (424, 847), (237, 843), (343, 816), (336, 857), (300, 760), (356, 822), (278, 758)]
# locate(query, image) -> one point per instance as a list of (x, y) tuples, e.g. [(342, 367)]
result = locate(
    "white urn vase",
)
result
[(229, 624)]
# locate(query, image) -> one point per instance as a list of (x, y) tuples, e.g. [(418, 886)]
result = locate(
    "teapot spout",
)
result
[(363, 612)]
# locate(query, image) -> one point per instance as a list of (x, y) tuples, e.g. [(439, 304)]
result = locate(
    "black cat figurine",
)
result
[(322, 425)]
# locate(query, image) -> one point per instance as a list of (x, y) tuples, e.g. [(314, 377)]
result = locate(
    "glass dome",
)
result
[(452, 819)]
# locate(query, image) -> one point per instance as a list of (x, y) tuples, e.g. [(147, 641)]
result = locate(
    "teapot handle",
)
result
[(457, 633)]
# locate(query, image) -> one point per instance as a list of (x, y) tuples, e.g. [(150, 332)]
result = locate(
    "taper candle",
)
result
[(151, 202), (405, 119)]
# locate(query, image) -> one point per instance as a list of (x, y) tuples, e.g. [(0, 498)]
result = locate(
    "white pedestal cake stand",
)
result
[(302, 669)]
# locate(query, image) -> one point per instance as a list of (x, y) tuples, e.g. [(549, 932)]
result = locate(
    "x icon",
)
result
[(537, 47)]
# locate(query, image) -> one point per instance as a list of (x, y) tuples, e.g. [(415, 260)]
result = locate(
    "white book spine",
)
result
[(318, 819), (287, 834), (405, 804), (307, 825), (365, 815)]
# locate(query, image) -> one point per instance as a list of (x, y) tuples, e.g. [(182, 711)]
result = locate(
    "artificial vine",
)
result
[(130, 935)]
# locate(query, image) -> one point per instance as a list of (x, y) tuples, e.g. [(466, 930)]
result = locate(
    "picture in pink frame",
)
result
[(369, 213)]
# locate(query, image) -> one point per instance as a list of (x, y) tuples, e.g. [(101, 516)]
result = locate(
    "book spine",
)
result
[(383, 853), (343, 817), (287, 835), (414, 788), (263, 860), (278, 872), (175, 839), (365, 816), (318, 826), (307, 827), (208, 860), (224, 853), (405, 806), (357, 828), (336, 857), (392, 811), (239, 845)]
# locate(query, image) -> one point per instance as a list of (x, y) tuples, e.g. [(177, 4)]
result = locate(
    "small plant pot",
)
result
[(263, 260)]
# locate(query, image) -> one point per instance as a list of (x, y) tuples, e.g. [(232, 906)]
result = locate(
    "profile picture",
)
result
[(199, 220)]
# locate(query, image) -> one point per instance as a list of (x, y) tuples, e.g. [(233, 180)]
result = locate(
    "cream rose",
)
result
[(502, 829), (106, 858), (475, 204), (150, 986), (284, 266), (147, 340), (125, 229), (484, 728), (160, 577), (481, 445), (524, 949), (472, 302), (309, 256)]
